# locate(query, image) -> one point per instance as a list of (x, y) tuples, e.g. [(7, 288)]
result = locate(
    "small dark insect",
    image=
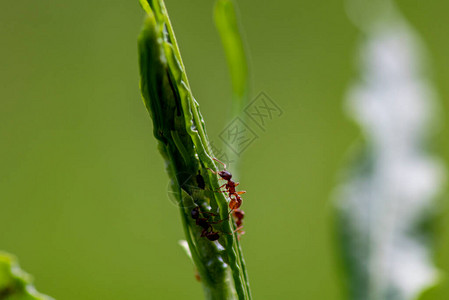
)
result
[(208, 230), (195, 213), (197, 276), (200, 181)]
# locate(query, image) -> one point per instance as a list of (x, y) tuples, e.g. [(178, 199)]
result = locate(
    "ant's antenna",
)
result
[(224, 165)]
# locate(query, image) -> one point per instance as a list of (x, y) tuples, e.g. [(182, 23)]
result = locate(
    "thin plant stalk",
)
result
[(229, 29)]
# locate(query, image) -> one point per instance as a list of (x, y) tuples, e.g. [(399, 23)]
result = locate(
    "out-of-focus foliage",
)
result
[(16, 284), (229, 30), (227, 24), (388, 199)]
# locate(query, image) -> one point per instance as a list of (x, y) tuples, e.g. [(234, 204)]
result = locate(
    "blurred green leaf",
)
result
[(231, 37), (227, 24), (15, 284)]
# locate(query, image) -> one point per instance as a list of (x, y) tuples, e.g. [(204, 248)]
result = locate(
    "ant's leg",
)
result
[(228, 233), (216, 173), (238, 229), (212, 171), (224, 165), (221, 220), (223, 186), (239, 234), (240, 192), (210, 214)]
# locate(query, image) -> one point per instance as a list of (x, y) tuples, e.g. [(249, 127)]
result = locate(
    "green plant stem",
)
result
[(180, 130)]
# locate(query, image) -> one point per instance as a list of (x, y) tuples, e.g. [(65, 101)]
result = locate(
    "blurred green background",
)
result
[(83, 199)]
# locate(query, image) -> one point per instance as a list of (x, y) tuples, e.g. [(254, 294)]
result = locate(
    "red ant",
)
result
[(208, 230), (238, 216), (236, 200)]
